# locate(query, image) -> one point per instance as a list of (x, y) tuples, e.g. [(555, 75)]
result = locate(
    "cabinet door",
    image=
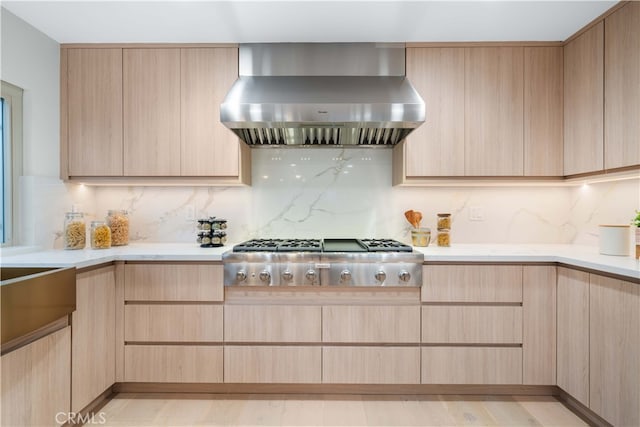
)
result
[(615, 350), (173, 363), (543, 111), (93, 342), (494, 111), (94, 112), (372, 324), (584, 102), (573, 333), (437, 147), (272, 323), (539, 296), (36, 382), (151, 112), (622, 87), (272, 364), (172, 323), (208, 148), (371, 365)]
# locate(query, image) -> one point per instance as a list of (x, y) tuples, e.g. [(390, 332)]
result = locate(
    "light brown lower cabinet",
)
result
[(93, 351), (371, 324), (272, 323), (614, 350), (173, 363), (371, 365), (272, 364), (36, 382), (472, 365), (172, 323)]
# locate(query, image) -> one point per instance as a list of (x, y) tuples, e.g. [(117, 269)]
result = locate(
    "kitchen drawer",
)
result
[(272, 364), (371, 324), (173, 282), (173, 363), (272, 323), (371, 365), (472, 283), (472, 365), (172, 323), (472, 324)]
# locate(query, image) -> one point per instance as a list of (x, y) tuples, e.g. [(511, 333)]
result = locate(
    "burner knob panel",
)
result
[(287, 275), (241, 276), (345, 276), (404, 276), (265, 276), (311, 275), (381, 276)]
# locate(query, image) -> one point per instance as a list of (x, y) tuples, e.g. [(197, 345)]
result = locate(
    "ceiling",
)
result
[(306, 21)]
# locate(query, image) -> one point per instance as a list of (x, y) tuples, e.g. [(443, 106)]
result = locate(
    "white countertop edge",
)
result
[(571, 255)]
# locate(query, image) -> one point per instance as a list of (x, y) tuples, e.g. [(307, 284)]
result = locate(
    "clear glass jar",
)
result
[(118, 222), (75, 231), (444, 221), (100, 235), (444, 238), (420, 236)]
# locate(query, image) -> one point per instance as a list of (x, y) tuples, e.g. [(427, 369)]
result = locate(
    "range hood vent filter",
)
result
[(321, 136)]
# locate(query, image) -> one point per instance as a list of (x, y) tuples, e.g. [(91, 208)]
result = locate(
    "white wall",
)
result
[(31, 60)]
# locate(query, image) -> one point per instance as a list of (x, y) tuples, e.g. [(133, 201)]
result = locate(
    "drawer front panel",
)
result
[(173, 282), (472, 365), (371, 324), (472, 324), (472, 283), (173, 323), (173, 363), (272, 323), (272, 364), (371, 365)]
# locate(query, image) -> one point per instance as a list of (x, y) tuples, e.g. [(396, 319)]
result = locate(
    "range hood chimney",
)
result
[(311, 94)]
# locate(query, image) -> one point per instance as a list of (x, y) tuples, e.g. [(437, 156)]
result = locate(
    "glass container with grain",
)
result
[(100, 235), (75, 231), (118, 222)]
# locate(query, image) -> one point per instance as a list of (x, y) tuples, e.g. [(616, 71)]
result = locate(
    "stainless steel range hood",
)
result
[(349, 94)]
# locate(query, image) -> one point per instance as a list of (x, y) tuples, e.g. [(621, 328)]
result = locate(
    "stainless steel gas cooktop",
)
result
[(320, 262)]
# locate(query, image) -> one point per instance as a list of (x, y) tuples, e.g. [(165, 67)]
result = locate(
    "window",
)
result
[(11, 160)]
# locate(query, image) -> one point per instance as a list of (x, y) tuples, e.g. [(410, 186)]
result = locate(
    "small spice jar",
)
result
[(75, 230), (444, 238), (444, 221), (118, 222), (100, 235)]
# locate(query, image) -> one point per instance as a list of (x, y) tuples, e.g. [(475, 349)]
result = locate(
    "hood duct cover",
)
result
[(322, 110)]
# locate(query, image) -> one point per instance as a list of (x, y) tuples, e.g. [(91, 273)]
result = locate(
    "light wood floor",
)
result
[(335, 410)]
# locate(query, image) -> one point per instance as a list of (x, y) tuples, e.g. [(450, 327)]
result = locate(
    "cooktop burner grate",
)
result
[(318, 245)]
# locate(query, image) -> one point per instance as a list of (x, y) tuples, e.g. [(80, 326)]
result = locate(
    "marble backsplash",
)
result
[(335, 193)]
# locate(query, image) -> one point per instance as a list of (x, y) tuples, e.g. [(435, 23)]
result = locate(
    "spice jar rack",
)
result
[(212, 232)]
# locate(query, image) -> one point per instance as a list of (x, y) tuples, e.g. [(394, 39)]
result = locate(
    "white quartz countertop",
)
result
[(573, 255)]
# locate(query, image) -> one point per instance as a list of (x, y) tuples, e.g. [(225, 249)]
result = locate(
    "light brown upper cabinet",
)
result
[(622, 87), (93, 108), (207, 147), (543, 111), (151, 112), (583, 102), (437, 147), (493, 142)]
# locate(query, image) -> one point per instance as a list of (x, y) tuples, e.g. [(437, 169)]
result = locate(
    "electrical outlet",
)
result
[(190, 213), (476, 213)]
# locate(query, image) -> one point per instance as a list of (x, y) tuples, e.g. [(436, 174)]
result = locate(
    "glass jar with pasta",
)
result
[(75, 231), (118, 222), (100, 235)]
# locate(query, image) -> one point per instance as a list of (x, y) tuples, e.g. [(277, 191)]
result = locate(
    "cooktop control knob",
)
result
[(404, 276), (345, 276), (241, 276), (287, 275), (265, 276), (311, 275), (381, 276)]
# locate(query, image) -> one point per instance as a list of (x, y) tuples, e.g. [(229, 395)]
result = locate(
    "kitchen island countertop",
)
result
[(572, 255)]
